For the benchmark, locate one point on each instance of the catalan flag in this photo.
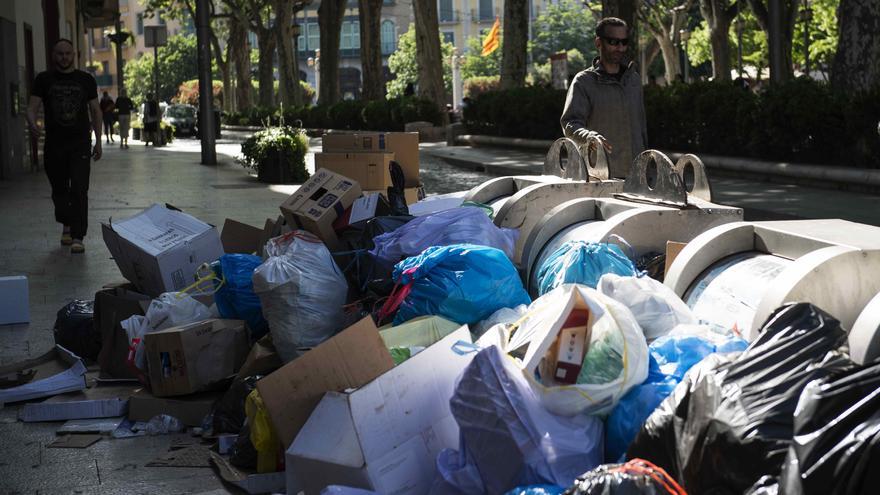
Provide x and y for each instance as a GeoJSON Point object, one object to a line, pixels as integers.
{"type": "Point", "coordinates": [493, 39]}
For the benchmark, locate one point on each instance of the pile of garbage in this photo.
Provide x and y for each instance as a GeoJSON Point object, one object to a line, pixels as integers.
{"type": "Point", "coordinates": [350, 347]}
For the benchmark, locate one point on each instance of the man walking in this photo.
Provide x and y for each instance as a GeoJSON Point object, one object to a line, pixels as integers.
{"type": "Point", "coordinates": [107, 107]}
{"type": "Point", "coordinates": [124, 106]}
{"type": "Point", "coordinates": [605, 101]}
{"type": "Point", "coordinates": [68, 97]}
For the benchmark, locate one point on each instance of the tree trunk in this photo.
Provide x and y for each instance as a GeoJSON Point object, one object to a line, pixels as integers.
{"type": "Point", "coordinates": [670, 58]}
{"type": "Point", "coordinates": [266, 46]}
{"type": "Point", "coordinates": [240, 58]}
{"type": "Point", "coordinates": [628, 11]}
{"type": "Point", "coordinates": [288, 81]}
{"type": "Point", "coordinates": [789, 16]}
{"type": "Point", "coordinates": [330, 15]}
{"type": "Point", "coordinates": [718, 15]}
{"type": "Point", "coordinates": [857, 62]}
{"type": "Point", "coordinates": [370, 16]}
{"type": "Point", "coordinates": [428, 54]}
{"type": "Point", "coordinates": [650, 52]}
{"type": "Point", "coordinates": [225, 72]}
{"type": "Point", "coordinates": [515, 45]}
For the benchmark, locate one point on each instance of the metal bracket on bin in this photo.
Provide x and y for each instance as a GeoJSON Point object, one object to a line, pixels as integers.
{"type": "Point", "coordinates": [570, 160]}
{"type": "Point", "coordinates": [694, 177]}
{"type": "Point", "coordinates": [654, 179]}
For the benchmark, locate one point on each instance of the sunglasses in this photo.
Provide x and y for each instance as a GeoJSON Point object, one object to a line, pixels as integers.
{"type": "Point", "coordinates": [616, 41]}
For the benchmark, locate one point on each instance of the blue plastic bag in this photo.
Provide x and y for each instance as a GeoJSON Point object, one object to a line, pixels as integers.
{"type": "Point", "coordinates": [463, 283]}
{"type": "Point", "coordinates": [537, 490]}
{"type": "Point", "coordinates": [671, 356]}
{"type": "Point", "coordinates": [582, 263]}
{"type": "Point", "coordinates": [236, 298]}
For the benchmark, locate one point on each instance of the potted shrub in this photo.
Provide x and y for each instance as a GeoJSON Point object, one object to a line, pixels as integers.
{"type": "Point", "coordinates": [278, 154]}
{"type": "Point", "coordinates": [137, 126]}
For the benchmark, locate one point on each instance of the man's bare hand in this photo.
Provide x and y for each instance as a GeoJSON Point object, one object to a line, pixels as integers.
{"type": "Point", "coordinates": [97, 151]}
{"type": "Point", "coordinates": [584, 135]}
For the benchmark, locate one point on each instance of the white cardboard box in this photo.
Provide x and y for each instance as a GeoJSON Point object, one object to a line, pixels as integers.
{"type": "Point", "coordinates": [386, 435]}
{"type": "Point", "coordinates": [14, 300]}
{"type": "Point", "coordinates": [160, 249]}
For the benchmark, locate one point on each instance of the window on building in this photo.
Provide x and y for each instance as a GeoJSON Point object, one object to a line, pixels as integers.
{"type": "Point", "coordinates": [105, 67]}
{"type": "Point", "coordinates": [314, 36]}
{"type": "Point", "coordinates": [301, 39]}
{"type": "Point", "coordinates": [351, 35]}
{"type": "Point", "coordinates": [140, 24]}
{"type": "Point", "coordinates": [449, 37]}
{"type": "Point", "coordinates": [447, 14]}
{"type": "Point", "coordinates": [388, 37]}
{"type": "Point", "coordinates": [486, 10]}
{"type": "Point", "coordinates": [159, 19]}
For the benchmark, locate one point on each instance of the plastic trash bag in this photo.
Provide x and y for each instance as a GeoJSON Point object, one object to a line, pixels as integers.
{"type": "Point", "coordinates": [235, 298]}
{"type": "Point", "coordinates": [671, 357]}
{"type": "Point", "coordinates": [620, 350]}
{"type": "Point", "coordinates": [636, 477]}
{"type": "Point", "coordinates": [262, 434]}
{"type": "Point", "coordinates": [656, 307]}
{"type": "Point", "coordinates": [507, 438]}
{"type": "Point", "coordinates": [537, 490]}
{"type": "Point", "coordinates": [345, 490]}
{"type": "Point", "coordinates": [580, 262]}
{"type": "Point", "coordinates": [836, 447]}
{"type": "Point", "coordinates": [463, 283]}
{"type": "Point", "coordinates": [170, 309]}
{"type": "Point", "coordinates": [501, 317]}
{"type": "Point", "coordinates": [302, 293]}
{"type": "Point", "coordinates": [730, 421]}
{"type": "Point", "coordinates": [75, 329]}
{"type": "Point", "coordinates": [164, 424]}
{"type": "Point", "coordinates": [414, 336]}
{"type": "Point", "coordinates": [455, 226]}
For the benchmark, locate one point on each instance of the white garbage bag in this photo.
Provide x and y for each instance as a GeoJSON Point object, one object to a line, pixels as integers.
{"type": "Point", "coordinates": [613, 332]}
{"type": "Point", "coordinates": [656, 307]}
{"type": "Point", "coordinates": [302, 293]}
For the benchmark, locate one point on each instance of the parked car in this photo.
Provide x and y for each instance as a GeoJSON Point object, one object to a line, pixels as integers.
{"type": "Point", "coordinates": [183, 118]}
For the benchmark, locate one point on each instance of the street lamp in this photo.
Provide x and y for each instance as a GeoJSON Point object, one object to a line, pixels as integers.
{"type": "Point", "coordinates": [118, 37]}
{"type": "Point", "coordinates": [806, 17]}
{"type": "Point", "coordinates": [685, 36]}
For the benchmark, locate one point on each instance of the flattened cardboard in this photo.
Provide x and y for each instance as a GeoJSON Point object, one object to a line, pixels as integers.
{"type": "Point", "coordinates": [14, 302]}
{"type": "Point", "coordinates": [96, 402]}
{"type": "Point", "coordinates": [56, 372]}
{"type": "Point", "coordinates": [370, 170]}
{"type": "Point", "coordinates": [191, 358]}
{"type": "Point", "coordinates": [317, 203]}
{"type": "Point", "coordinates": [672, 250]}
{"type": "Point", "coordinates": [160, 249]}
{"type": "Point", "coordinates": [190, 409]}
{"type": "Point", "coordinates": [250, 482]}
{"type": "Point", "coordinates": [241, 238]}
{"type": "Point", "coordinates": [74, 441]}
{"type": "Point", "coordinates": [113, 304]}
{"type": "Point", "coordinates": [351, 358]}
{"type": "Point", "coordinates": [412, 194]}
{"type": "Point", "coordinates": [404, 145]}
{"type": "Point", "coordinates": [385, 436]}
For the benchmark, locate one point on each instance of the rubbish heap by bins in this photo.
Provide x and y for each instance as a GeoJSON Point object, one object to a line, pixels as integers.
{"type": "Point", "coordinates": [352, 346]}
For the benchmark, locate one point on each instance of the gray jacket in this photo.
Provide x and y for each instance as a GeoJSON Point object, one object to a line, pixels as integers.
{"type": "Point", "coordinates": [600, 103]}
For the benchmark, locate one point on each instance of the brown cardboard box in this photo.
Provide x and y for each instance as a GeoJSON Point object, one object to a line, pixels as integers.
{"type": "Point", "coordinates": [351, 358]}
{"type": "Point", "coordinates": [672, 250]}
{"type": "Point", "coordinates": [113, 304]}
{"type": "Point", "coordinates": [404, 145]}
{"type": "Point", "coordinates": [370, 170]}
{"type": "Point", "coordinates": [413, 194]}
{"type": "Point", "coordinates": [240, 237]}
{"type": "Point", "coordinates": [190, 409]}
{"type": "Point", "coordinates": [190, 358]}
{"type": "Point", "coordinates": [317, 203]}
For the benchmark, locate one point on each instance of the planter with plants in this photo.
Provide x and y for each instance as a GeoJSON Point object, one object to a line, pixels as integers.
{"type": "Point", "coordinates": [277, 154]}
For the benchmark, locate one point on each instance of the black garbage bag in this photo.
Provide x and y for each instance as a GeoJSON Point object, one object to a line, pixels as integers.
{"type": "Point", "coordinates": [396, 195]}
{"type": "Point", "coordinates": [360, 269]}
{"type": "Point", "coordinates": [243, 454]}
{"type": "Point", "coordinates": [229, 412]}
{"type": "Point", "coordinates": [836, 447]}
{"type": "Point", "coordinates": [636, 477]}
{"type": "Point", "coordinates": [730, 421]}
{"type": "Point", "coordinates": [75, 329]}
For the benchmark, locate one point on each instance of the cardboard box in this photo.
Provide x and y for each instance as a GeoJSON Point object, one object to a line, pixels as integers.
{"type": "Point", "coordinates": [317, 203]}
{"type": "Point", "coordinates": [113, 304]}
{"type": "Point", "coordinates": [238, 237]}
{"type": "Point", "coordinates": [55, 372]}
{"type": "Point", "coordinates": [191, 358]}
{"type": "Point", "coordinates": [14, 302]}
{"type": "Point", "coordinates": [102, 401]}
{"type": "Point", "coordinates": [351, 358]}
{"type": "Point", "coordinates": [369, 206]}
{"type": "Point", "coordinates": [370, 170]}
{"type": "Point", "coordinates": [672, 251]}
{"type": "Point", "coordinates": [160, 249]}
{"type": "Point", "coordinates": [404, 145]}
{"type": "Point", "coordinates": [412, 194]}
{"type": "Point", "coordinates": [384, 436]}
{"type": "Point", "coordinates": [190, 409]}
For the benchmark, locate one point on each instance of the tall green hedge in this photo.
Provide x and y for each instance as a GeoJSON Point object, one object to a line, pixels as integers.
{"type": "Point", "coordinates": [384, 115]}
{"type": "Point", "coordinates": [802, 121]}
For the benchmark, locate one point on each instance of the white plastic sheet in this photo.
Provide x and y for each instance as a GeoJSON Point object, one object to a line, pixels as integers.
{"type": "Point", "coordinates": [656, 307]}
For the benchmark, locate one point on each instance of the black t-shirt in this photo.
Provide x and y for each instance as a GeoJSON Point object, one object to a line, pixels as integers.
{"type": "Point", "coordinates": [66, 99]}
{"type": "Point", "coordinates": [124, 105]}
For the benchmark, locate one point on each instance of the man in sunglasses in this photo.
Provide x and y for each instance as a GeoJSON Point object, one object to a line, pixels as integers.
{"type": "Point", "coordinates": [605, 101]}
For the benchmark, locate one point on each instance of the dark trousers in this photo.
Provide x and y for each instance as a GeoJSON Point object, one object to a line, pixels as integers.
{"type": "Point", "coordinates": [68, 164]}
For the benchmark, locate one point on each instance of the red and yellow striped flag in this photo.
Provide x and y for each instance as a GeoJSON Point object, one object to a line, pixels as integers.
{"type": "Point", "coordinates": [493, 39]}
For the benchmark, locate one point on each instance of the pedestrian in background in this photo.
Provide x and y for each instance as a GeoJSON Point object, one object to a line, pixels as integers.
{"type": "Point", "coordinates": [606, 102]}
{"type": "Point", "coordinates": [107, 107]}
{"type": "Point", "coordinates": [124, 106]}
{"type": "Point", "coordinates": [68, 97]}
{"type": "Point", "coordinates": [151, 120]}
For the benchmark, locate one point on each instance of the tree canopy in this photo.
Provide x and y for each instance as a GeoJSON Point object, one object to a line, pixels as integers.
{"type": "Point", "coordinates": [177, 63]}
{"type": "Point", "coordinates": [403, 64]}
{"type": "Point", "coordinates": [563, 26]}
{"type": "Point", "coordinates": [476, 65]}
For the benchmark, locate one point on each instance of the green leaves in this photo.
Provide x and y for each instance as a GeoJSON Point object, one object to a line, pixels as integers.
{"type": "Point", "coordinates": [404, 65]}
{"type": "Point", "coordinates": [563, 26]}
{"type": "Point", "coordinates": [284, 143]}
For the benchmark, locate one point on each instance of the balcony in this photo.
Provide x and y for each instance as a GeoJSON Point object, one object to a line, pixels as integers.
{"type": "Point", "coordinates": [449, 17]}
{"type": "Point", "coordinates": [104, 80]}
{"type": "Point", "coordinates": [484, 15]}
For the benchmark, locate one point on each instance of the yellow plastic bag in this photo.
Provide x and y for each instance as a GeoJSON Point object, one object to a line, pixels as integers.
{"type": "Point", "coordinates": [420, 332]}
{"type": "Point", "coordinates": [263, 436]}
